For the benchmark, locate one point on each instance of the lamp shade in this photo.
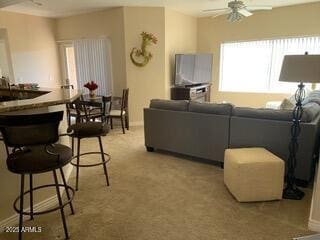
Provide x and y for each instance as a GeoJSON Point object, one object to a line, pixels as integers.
{"type": "Point", "coordinates": [300, 68]}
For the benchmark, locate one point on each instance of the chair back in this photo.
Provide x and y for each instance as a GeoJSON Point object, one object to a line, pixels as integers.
{"type": "Point", "coordinates": [28, 130]}
{"type": "Point", "coordinates": [80, 108]}
{"type": "Point", "coordinates": [124, 100]}
{"type": "Point", "coordinates": [106, 106]}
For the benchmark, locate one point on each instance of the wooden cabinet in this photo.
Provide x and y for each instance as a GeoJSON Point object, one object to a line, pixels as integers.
{"type": "Point", "coordinates": [197, 93]}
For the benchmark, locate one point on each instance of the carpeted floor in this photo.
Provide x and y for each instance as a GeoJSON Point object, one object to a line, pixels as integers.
{"type": "Point", "coordinates": [157, 196]}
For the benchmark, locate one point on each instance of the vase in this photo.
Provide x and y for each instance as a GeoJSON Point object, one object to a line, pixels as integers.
{"type": "Point", "coordinates": [92, 93]}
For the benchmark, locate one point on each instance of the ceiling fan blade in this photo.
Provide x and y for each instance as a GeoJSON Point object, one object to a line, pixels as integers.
{"type": "Point", "coordinates": [244, 12]}
{"type": "Point", "coordinates": [219, 14]}
{"type": "Point", "coordinates": [6, 3]}
{"type": "Point", "coordinates": [215, 10]}
{"type": "Point", "coordinates": [259, 8]}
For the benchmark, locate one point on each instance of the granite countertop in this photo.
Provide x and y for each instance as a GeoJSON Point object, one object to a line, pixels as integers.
{"type": "Point", "coordinates": [46, 97]}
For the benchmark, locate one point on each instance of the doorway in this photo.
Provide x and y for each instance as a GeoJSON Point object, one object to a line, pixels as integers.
{"type": "Point", "coordinates": [68, 64]}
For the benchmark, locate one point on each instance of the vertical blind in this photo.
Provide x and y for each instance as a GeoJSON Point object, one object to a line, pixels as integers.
{"type": "Point", "coordinates": [255, 66]}
{"type": "Point", "coordinates": [93, 63]}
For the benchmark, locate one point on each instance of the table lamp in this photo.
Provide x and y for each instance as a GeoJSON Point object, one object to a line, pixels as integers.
{"type": "Point", "coordinates": [301, 69]}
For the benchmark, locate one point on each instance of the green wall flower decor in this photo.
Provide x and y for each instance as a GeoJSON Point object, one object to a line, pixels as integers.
{"type": "Point", "coordinates": [140, 57]}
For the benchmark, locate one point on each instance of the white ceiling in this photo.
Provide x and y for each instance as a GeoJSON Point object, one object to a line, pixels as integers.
{"type": "Point", "coordinates": [63, 8]}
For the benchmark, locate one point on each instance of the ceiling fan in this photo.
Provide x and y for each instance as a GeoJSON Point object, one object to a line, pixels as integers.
{"type": "Point", "coordinates": [7, 3]}
{"type": "Point", "coordinates": [237, 10]}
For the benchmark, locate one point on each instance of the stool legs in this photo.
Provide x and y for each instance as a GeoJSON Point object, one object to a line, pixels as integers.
{"type": "Point", "coordinates": [21, 206]}
{"type": "Point", "coordinates": [72, 145]}
{"type": "Point", "coordinates": [66, 189]}
{"type": "Point", "coordinates": [31, 196]}
{"type": "Point", "coordinates": [78, 162]}
{"type": "Point", "coordinates": [60, 204]}
{"type": "Point", "coordinates": [103, 159]}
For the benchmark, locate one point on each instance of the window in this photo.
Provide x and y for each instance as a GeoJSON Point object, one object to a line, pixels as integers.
{"type": "Point", "coordinates": [88, 60]}
{"type": "Point", "coordinates": [93, 63]}
{"type": "Point", "coordinates": [255, 66]}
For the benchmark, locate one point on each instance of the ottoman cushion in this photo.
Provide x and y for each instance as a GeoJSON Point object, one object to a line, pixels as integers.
{"type": "Point", "coordinates": [253, 174]}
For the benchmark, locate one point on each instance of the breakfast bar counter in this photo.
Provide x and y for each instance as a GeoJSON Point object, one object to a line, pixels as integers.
{"type": "Point", "coordinates": [23, 99]}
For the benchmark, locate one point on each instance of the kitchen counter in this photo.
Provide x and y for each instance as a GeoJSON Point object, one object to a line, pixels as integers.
{"type": "Point", "coordinates": [35, 98]}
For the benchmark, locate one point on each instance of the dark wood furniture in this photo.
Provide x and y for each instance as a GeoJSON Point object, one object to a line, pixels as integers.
{"type": "Point", "coordinates": [78, 110]}
{"type": "Point", "coordinates": [122, 113]}
{"type": "Point", "coordinates": [197, 93]}
{"type": "Point", "coordinates": [35, 152]}
{"type": "Point", "coordinates": [97, 108]}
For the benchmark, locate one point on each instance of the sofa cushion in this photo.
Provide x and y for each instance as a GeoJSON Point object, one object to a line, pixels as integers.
{"type": "Point", "coordinates": [176, 105]}
{"type": "Point", "coordinates": [271, 114]}
{"type": "Point", "coordinates": [313, 97]}
{"type": "Point", "coordinates": [210, 108]}
{"type": "Point", "coordinates": [311, 111]}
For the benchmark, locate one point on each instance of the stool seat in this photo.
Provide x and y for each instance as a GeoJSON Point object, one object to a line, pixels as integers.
{"type": "Point", "coordinates": [33, 138]}
{"type": "Point", "coordinates": [88, 129]}
{"type": "Point", "coordinates": [35, 159]}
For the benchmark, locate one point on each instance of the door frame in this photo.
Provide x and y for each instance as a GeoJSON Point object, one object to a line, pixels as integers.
{"type": "Point", "coordinates": [63, 60]}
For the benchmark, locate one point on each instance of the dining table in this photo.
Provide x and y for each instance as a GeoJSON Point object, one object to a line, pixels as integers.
{"type": "Point", "coordinates": [98, 102]}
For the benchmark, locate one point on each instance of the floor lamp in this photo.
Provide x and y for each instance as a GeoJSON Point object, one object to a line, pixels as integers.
{"type": "Point", "coordinates": [301, 69]}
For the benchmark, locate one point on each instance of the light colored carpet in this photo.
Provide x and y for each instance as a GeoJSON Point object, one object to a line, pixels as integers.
{"type": "Point", "coordinates": [164, 196]}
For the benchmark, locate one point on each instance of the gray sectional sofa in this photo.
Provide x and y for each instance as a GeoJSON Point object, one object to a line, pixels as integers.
{"type": "Point", "coordinates": [205, 130]}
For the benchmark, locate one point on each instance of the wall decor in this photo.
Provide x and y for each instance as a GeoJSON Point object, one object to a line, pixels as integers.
{"type": "Point", "coordinates": [141, 57]}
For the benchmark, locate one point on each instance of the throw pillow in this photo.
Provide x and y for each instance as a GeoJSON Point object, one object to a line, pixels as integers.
{"type": "Point", "coordinates": [286, 104]}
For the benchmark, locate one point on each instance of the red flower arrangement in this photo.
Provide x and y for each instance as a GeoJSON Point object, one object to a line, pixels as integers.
{"type": "Point", "coordinates": [91, 86]}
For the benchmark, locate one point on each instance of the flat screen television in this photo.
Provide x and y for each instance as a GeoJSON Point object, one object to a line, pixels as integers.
{"type": "Point", "coordinates": [193, 69]}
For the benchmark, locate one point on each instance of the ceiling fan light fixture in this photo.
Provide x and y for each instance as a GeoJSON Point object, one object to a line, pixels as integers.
{"type": "Point", "coordinates": [234, 16]}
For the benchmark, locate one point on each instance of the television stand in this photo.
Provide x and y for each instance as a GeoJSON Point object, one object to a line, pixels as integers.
{"type": "Point", "coordinates": [200, 93]}
{"type": "Point", "coordinates": [193, 85]}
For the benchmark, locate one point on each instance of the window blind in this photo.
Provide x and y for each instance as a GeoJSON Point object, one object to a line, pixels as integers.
{"type": "Point", "coordinates": [255, 66]}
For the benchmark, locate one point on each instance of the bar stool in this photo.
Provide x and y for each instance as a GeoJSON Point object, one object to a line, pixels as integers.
{"type": "Point", "coordinates": [89, 130]}
{"type": "Point", "coordinates": [33, 140]}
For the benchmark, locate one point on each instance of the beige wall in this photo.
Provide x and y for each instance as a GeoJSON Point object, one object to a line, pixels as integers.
{"type": "Point", "coordinates": [33, 48]}
{"type": "Point", "coordinates": [145, 82]}
{"type": "Point", "coordinates": [108, 23]}
{"type": "Point", "coordinates": [181, 37]}
{"type": "Point", "coordinates": [300, 20]}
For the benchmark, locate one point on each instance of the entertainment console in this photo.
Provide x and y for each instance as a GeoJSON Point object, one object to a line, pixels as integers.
{"type": "Point", "coordinates": [200, 93]}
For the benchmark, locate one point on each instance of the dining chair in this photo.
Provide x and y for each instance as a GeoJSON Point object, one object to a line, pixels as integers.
{"type": "Point", "coordinates": [123, 113]}
{"type": "Point", "coordinates": [102, 111]}
{"type": "Point", "coordinates": [80, 111]}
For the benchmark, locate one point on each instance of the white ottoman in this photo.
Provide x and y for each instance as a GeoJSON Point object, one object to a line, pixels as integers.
{"type": "Point", "coordinates": [253, 174]}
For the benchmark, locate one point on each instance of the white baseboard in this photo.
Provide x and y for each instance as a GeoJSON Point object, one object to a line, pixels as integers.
{"type": "Point", "coordinates": [314, 225]}
{"type": "Point", "coordinates": [134, 124]}
{"type": "Point", "coordinates": [67, 171]}
{"type": "Point", "coordinates": [41, 206]}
